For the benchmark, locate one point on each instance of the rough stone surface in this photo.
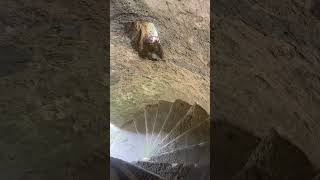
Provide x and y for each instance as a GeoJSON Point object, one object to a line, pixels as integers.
{"type": "Point", "coordinates": [266, 68]}
{"type": "Point", "coordinates": [276, 159]}
{"type": "Point", "coordinates": [183, 27]}
{"type": "Point", "coordinates": [165, 170]}
{"type": "Point", "coordinates": [196, 154]}
{"type": "Point", "coordinates": [231, 149]}
{"type": "Point", "coordinates": [53, 89]}
{"type": "Point", "coordinates": [11, 57]}
{"type": "Point", "coordinates": [122, 170]}
{"type": "Point", "coordinates": [177, 171]}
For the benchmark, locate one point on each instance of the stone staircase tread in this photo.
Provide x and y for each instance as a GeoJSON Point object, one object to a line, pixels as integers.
{"type": "Point", "coordinates": [162, 113]}
{"type": "Point", "coordinates": [179, 109]}
{"type": "Point", "coordinates": [195, 154]}
{"type": "Point", "coordinates": [197, 134]}
{"type": "Point", "coordinates": [193, 118]}
{"type": "Point", "coordinates": [151, 115]}
{"type": "Point", "coordinates": [131, 171]}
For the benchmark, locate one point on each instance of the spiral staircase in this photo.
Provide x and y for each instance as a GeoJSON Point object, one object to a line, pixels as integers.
{"type": "Point", "coordinates": [166, 140]}
{"type": "Point", "coordinates": [170, 140]}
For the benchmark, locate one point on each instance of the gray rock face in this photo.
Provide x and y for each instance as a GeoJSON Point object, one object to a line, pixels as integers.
{"type": "Point", "coordinates": [266, 69]}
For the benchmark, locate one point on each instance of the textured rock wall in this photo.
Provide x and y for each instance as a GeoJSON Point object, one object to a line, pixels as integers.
{"type": "Point", "coordinates": [53, 95]}
{"type": "Point", "coordinates": [275, 158]}
{"type": "Point", "coordinates": [184, 74]}
{"type": "Point", "coordinates": [266, 68]}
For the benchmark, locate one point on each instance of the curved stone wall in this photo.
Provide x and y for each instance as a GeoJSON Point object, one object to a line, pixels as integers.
{"type": "Point", "coordinates": [266, 69]}
{"type": "Point", "coordinates": [184, 73]}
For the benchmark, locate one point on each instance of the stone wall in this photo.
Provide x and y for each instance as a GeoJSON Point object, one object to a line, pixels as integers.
{"type": "Point", "coordinates": [266, 69]}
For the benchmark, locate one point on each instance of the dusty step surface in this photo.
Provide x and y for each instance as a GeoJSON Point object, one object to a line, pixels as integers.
{"type": "Point", "coordinates": [151, 117]}
{"type": "Point", "coordinates": [144, 118]}
{"type": "Point", "coordinates": [174, 171]}
{"type": "Point", "coordinates": [275, 158]}
{"type": "Point", "coordinates": [187, 129]}
{"type": "Point", "coordinates": [162, 113]}
{"type": "Point", "coordinates": [196, 154]}
{"type": "Point", "coordinates": [121, 170]}
{"type": "Point", "coordinates": [164, 109]}
{"type": "Point", "coordinates": [181, 122]}
{"type": "Point", "coordinates": [185, 124]}
{"type": "Point", "coordinates": [141, 122]}
{"type": "Point", "coordinates": [177, 111]}
{"type": "Point", "coordinates": [165, 170]}
{"type": "Point", "coordinates": [192, 136]}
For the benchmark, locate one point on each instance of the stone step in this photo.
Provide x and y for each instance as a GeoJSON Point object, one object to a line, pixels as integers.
{"type": "Point", "coordinates": [178, 110]}
{"type": "Point", "coordinates": [195, 154]}
{"type": "Point", "coordinates": [177, 171]}
{"type": "Point", "coordinates": [140, 122]}
{"type": "Point", "coordinates": [193, 118]}
{"type": "Point", "coordinates": [151, 116]}
{"type": "Point", "coordinates": [162, 114]}
{"type": "Point", "coordinates": [121, 170]}
{"type": "Point", "coordinates": [199, 133]}
{"type": "Point", "coordinates": [164, 109]}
